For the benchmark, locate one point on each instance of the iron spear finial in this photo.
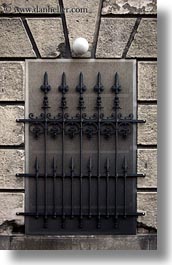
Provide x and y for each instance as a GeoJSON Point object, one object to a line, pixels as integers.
{"type": "Point", "coordinates": [45, 87]}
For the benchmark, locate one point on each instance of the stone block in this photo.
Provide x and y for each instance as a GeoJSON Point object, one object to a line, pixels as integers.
{"type": "Point", "coordinates": [11, 162]}
{"type": "Point", "coordinates": [153, 242]}
{"type": "Point", "coordinates": [147, 164]}
{"type": "Point", "coordinates": [12, 133]}
{"type": "Point", "coordinates": [41, 243]}
{"type": "Point", "coordinates": [129, 7]}
{"type": "Point", "coordinates": [12, 79]}
{"type": "Point", "coordinates": [14, 41]}
{"type": "Point", "coordinates": [122, 243]}
{"type": "Point", "coordinates": [48, 35]}
{"type": "Point", "coordinates": [80, 242]}
{"type": "Point", "coordinates": [147, 132]}
{"type": "Point", "coordinates": [147, 81]}
{"type": "Point", "coordinates": [145, 40]}
{"type": "Point", "coordinates": [84, 22]}
{"type": "Point", "coordinates": [10, 204]}
{"type": "Point", "coordinates": [29, 6]}
{"type": "Point", "coordinates": [113, 36]}
{"type": "Point", "coordinates": [147, 202]}
{"type": "Point", "coordinates": [4, 242]}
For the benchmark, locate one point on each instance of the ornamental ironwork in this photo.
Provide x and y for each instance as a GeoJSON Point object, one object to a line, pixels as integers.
{"type": "Point", "coordinates": [80, 126]}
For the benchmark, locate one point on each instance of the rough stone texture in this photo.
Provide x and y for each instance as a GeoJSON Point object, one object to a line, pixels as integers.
{"type": "Point", "coordinates": [129, 7]}
{"type": "Point", "coordinates": [82, 24]}
{"type": "Point", "coordinates": [147, 164]}
{"type": "Point", "coordinates": [153, 243]}
{"type": "Point", "coordinates": [14, 41]}
{"type": "Point", "coordinates": [4, 242]}
{"type": "Point", "coordinates": [147, 202]}
{"type": "Point", "coordinates": [147, 132]}
{"type": "Point", "coordinates": [11, 162]}
{"type": "Point", "coordinates": [147, 81]}
{"type": "Point", "coordinates": [29, 6]}
{"type": "Point", "coordinates": [12, 133]}
{"type": "Point", "coordinates": [48, 35]}
{"type": "Point", "coordinates": [139, 242]}
{"type": "Point", "coordinates": [145, 39]}
{"type": "Point", "coordinates": [41, 243]}
{"type": "Point", "coordinates": [11, 81]}
{"type": "Point", "coordinates": [113, 36]}
{"type": "Point", "coordinates": [10, 204]}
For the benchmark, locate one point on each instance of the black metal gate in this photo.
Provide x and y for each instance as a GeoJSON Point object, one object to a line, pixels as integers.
{"type": "Point", "coordinates": [82, 176]}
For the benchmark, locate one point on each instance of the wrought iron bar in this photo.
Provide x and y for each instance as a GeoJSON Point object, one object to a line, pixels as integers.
{"type": "Point", "coordinates": [128, 214]}
{"type": "Point", "coordinates": [81, 88]}
{"type": "Point", "coordinates": [107, 167]}
{"type": "Point", "coordinates": [63, 88]}
{"type": "Point", "coordinates": [116, 88]}
{"type": "Point", "coordinates": [90, 174]}
{"type": "Point", "coordinates": [98, 88]}
{"type": "Point", "coordinates": [54, 188]}
{"type": "Point", "coordinates": [125, 168]}
{"type": "Point", "coordinates": [45, 89]}
{"type": "Point", "coordinates": [72, 175]}
{"type": "Point", "coordinates": [36, 186]}
{"type": "Point", "coordinates": [78, 176]}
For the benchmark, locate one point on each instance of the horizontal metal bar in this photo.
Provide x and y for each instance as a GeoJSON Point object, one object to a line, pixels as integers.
{"type": "Point", "coordinates": [75, 120]}
{"type": "Point", "coordinates": [33, 214]}
{"type": "Point", "coordinates": [29, 120]}
{"type": "Point", "coordinates": [132, 121]}
{"type": "Point", "coordinates": [78, 176]}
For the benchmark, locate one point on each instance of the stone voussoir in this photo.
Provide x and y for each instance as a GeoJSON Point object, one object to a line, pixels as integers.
{"type": "Point", "coordinates": [147, 132]}
{"type": "Point", "coordinates": [147, 203]}
{"type": "Point", "coordinates": [144, 43]}
{"type": "Point", "coordinates": [113, 36]}
{"type": "Point", "coordinates": [11, 162]}
{"type": "Point", "coordinates": [29, 6]}
{"type": "Point", "coordinates": [12, 78]}
{"type": "Point", "coordinates": [12, 133]}
{"type": "Point", "coordinates": [14, 41]}
{"type": "Point", "coordinates": [147, 81]}
{"type": "Point", "coordinates": [82, 23]}
{"type": "Point", "coordinates": [147, 164]}
{"type": "Point", "coordinates": [129, 7]}
{"type": "Point", "coordinates": [48, 35]}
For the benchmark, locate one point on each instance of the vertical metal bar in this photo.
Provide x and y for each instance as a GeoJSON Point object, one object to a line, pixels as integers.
{"type": "Point", "coordinates": [116, 88]}
{"type": "Point", "coordinates": [63, 174]}
{"type": "Point", "coordinates": [45, 88]}
{"type": "Point", "coordinates": [116, 172]}
{"type": "Point", "coordinates": [63, 88]}
{"type": "Point", "coordinates": [81, 88]}
{"type": "Point", "coordinates": [45, 165]}
{"type": "Point", "coordinates": [72, 174]}
{"type": "Point", "coordinates": [125, 168]}
{"type": "Point", "coordinates": [98, 88]}
{"type": "Point", "coordinates": [36, 179]}
{"type": "Point", "coordinates": [98, 173]}
{"type": "Point", "coordinates": [107, 167]}
{"type": "Point", "coordinates": [89, 175]}
{"type": "Point", "coordinates": [54, 188]}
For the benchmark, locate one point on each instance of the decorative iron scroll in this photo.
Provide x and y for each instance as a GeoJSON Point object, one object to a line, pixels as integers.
{"type": "Point", "coordinates": [45, 125]}
{"type": "Point", "coordinates": [90, 124]}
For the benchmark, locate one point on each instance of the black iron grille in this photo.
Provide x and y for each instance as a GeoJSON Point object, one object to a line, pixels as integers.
{"type": "Point", "coordinates": [83, 190]}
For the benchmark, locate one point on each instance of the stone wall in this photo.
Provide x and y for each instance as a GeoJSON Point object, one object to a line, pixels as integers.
{"type": "Point", "coordinates": [115, 29]}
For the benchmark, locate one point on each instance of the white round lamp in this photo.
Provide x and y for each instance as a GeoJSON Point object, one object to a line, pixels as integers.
{"type": "Point", "coordinates": [80, 46]}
